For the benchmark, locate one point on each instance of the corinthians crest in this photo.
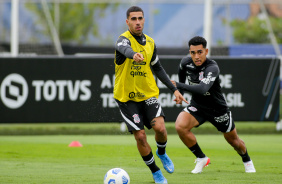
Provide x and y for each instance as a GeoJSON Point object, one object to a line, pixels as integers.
{"type": "Point", "coordinates": [136, 118]}
{"type": "Point", "coordinates": [201, 75]}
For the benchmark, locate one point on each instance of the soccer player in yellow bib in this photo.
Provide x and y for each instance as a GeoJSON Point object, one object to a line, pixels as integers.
{"type": "Point", "coordinates": [136, 91]}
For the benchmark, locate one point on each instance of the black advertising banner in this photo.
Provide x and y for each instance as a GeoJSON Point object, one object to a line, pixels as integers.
{"type": "Point", "coordinates": [80, 89]}
{"type": "Point", "coordinates": [251, 88]}
{"type": "Point", "coordinates": [56, 90]}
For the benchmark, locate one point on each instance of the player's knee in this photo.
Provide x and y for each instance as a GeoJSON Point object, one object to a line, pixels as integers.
{"type": "Point", "coordinates": [180, 127]}
{"type": "Point", "coordinates": [140, 137]}
{"type": "Point", "coordinates": [161, 130]}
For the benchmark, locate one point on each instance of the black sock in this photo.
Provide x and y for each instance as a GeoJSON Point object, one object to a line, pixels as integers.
{"type": "Point", "coordinates": [196, 150]}
{"type": "Point", "coordinates": [161, 147]}
{"type": "Point", "coordinates": [245, 157]}
{"type": "Point", "coordinates": [150, 162]}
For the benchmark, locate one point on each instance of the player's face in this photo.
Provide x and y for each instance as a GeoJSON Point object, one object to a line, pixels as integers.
{"type": "Point", "coordinates": [135, 23]}
{"type": "Point", "coordinates": [198, 54]}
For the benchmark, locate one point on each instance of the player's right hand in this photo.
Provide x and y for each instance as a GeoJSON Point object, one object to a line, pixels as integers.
{"type": "Point", "coordinates": [179, 98]}
{"type": "Point", "coordinates": [138, 57]}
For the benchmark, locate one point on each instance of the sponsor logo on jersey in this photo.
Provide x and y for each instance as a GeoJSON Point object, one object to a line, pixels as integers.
{"type": "Point", "coordinates": [142, 63]}
{"type": "Point", "coordinates": [151, 101]}
{"type": "Point", "coordinates": [138, 94]}
{"type": "Point", "coordinates": [222, 118]}
{"type": "Point", "coordinates": [190, 66]}
{"type": "Point", "coordinates": [138, 73]}
{"type": "Point", "coordinates": [208, 79]}
{"type": "Point", "coordinates": [134, 67]}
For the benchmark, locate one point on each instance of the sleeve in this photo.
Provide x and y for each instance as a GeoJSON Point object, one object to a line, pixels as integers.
{"type": "Point", "coordinates": [160, 72]}
{"type": "Point", "coordinates": [123, 46]}
{"type": "Point", "coordinates": [181, 75]}
{"type": "Point", "coordinates": [206, 83]}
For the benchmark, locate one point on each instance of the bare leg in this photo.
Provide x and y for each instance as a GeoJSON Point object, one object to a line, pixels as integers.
{"type": "Point", "coordinates": [184, 123]}
{"type": "Point", "coordinates": [238, 144]}
{"type": "Point", "coordinates": [158, 125]}
{"type": "Point", "coordinates": [142, 144]}
{"type": "Point", "coordinates": [233, 139]}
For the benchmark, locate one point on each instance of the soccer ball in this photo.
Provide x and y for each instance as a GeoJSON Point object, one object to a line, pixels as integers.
{"type": "Point", "coordinates": [116, 176]}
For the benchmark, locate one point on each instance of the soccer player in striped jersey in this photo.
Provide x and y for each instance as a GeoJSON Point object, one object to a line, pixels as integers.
{"type": "Point", "coordinates": [207, 104]}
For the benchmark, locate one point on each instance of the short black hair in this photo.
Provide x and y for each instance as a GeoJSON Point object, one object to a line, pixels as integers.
{"type": "Point", "coordinates": [133, 9]}
{"type": "Point", "coordinates": [198, 40]}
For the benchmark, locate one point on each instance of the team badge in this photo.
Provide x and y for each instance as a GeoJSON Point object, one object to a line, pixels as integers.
{"type": "Point", "coordinates": [124, 42]}
{"type": "Point", "coordinates": [201, 75]}
{"type": "Point", "coordinates": [193, 109]}
{"type": "Point", "coordinates": [136, 118]}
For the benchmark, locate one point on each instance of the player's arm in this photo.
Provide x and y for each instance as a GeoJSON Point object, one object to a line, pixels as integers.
{"type": "Point", "coordinates": [163, 77]}
{"type": "Point", "coordinates": [160, 72]}
{"type": "Point", "coordinates": [206, 83]}
{"type": "Point", "coordinates": [181, 74]}
{"type": "Point", "coordinates": [124, 50]}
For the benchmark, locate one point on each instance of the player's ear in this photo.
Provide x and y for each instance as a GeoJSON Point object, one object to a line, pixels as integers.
{"type": "Point", "coordinates": [207, 51]}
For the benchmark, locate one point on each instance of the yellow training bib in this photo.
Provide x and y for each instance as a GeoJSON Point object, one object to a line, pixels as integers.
{"type": "Point", "coordinates": [135, 81]}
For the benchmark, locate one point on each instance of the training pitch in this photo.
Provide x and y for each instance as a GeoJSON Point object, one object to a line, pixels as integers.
{"type": "Point", "coordinates": [49, 159]}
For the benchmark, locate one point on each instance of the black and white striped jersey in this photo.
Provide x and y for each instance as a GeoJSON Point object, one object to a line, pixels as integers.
{"type": "Point", "coordinates": [202, 82]}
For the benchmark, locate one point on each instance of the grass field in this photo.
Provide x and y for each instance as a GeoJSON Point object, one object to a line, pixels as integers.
{"type": "Point", "coordinates": [48, 159]}
{"type": "Point", "coordinates": [114, 128]}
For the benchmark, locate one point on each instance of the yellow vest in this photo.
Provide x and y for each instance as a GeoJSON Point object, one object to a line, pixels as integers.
{"type": "Point", "coordinates": [135, 81]}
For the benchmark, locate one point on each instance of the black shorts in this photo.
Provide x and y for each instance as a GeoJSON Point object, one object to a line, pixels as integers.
{"type": "Point", "coordinates": [222, 119]}
{"type": "Point", "coordinates": [139, 114]}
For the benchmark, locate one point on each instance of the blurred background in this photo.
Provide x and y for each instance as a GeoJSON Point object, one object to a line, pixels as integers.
{"type": "Point", "coordinates": [236, 27]}
{"type": "Point", "coordinates": [36, 29]}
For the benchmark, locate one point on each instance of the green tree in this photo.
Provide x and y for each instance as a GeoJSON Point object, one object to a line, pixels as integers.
{"type": "Point", "coordinates": [76, 20]}
{"type": "Point", "coordinates": [254, 30]}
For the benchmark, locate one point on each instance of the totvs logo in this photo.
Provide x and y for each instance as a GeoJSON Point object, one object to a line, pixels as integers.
{"type": "Point", "coordinates": [15, 89]}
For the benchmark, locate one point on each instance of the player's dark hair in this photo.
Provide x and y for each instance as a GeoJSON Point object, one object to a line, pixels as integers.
{"type": "Point", "coordinates": [133, 9]}
{"type": "Point", "coordinates": [198, 40]}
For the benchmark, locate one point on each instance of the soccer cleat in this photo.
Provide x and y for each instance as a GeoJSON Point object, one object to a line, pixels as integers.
{"type": "Point", "coordinates": [167, 163]}
{"type": "Point", "coordinates": [158, 177]}
{"type": "Point", "coordinates": [200, 164]}
{"type": "Point", "coordinates": [249, 167]}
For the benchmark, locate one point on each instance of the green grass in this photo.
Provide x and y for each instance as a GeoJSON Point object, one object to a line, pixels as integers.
{"type": "Point", "coordinates": [114, 128]}
{"type": "Point", "coordinates": [48, 159]}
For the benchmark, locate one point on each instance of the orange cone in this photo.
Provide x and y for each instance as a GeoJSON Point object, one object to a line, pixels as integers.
{"type": "Point", "coordinates": [75, 144]}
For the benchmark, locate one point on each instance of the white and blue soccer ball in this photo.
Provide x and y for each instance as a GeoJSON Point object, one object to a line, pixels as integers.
{"type": "Point", "coordinates": [116, 176]}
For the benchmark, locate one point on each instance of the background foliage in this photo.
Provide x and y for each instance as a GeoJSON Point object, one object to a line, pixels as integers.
{"type": "Point", "coordinates": [255, 30]}
{"type": "Point", "coordinates": [76, 20]}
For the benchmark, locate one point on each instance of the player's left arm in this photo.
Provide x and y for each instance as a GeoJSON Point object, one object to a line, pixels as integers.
{"type": "Point", "coordinates": [211, 73]}
{"type": "Point", "coordinates": [162, 75]}
{"type": "Point", "coordinates": [160, 72]}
